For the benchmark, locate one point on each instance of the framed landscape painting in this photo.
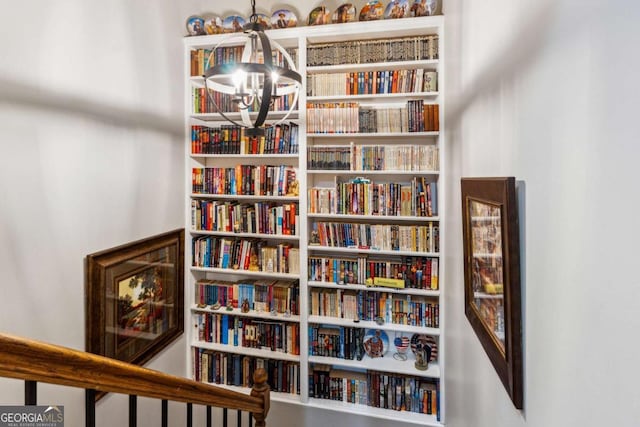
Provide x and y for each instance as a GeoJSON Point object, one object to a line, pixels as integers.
{"type": "Point", "coordinates": [134, 298]}
{"type": "Point", "coordinates": [492, 275]}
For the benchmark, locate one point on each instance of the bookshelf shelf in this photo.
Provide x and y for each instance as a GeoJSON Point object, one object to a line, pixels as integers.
{"type": "Point", "coordinates": [409, 101]}
{"type": "Point", "coordinates": [369, 251]}
{"type": "Point", "coordinates": [252, 314]}
{"type": "Point", "coordinates": [325, 320]}
{"type": "Point", "coordinates": [375, 217]}
{"type": "Point", "coordinates": [247, 351]}
{"type": "Point", "coordinates": [374, 66]}
{"type": "Point", "coordinates": [243, 197]}
{"type": "Point", "coordinates": [357, 287]}
{"type": "Point", "coordinates": [377, 97]}
{"type": "Point", "coordinates": [392, 416]}
{"type": "Point", "coordinates": [366, 173]}
{"type": "Point", "coordinates": [385, 364]}
{"type": "Point", "coordinates": [245, 273]}
{"type": "Point", "coordinates": [246, 235]}
{"type": "Point", "coordinates": [360, 135]}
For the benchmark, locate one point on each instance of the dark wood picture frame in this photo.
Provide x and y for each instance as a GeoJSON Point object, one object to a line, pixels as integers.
{"type": "Point", "coordinates": [492, 275]}
{"type": "Point", "coordinates": [134, 298]}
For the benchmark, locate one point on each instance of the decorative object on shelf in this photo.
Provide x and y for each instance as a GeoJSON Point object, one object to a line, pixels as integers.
{"type": "Point", "coordinates": [233, 24]}
{"type": "Point", "coordinates": [293, 190]}
{"type": "Point", "coordinates": [491, 262]}
{"type": "Point", "coordinates": [283, 18]}
{"type": "Point", "coordinates": [430, 81]}
{"type": "Point", "coordinates": [287, 313]}
{"type": "Point", "coordinates": [344, 13]}
{"type": "Point", "coordinates": [375, 343]}
{"type": "Point", "coordinates": [253, 261]}
{"type": "Point", "coordinates": [195, 26]}
{"type": "Point", "coordinates": [229, 306]}
{"type": "Point", "coordinates": [264, 20]}
{"type": "Point", "coordinates": [422, 348]}
{"type": "Point", "coordinates": [273, 312]}
{"type": "Point", "coordinates": [379, 320]}
{"type": "Point", "coordinates": [216, 306]}
{"type": "Point", "coordinates": [245, 306]}
{"type": "Point", "coordinates": [319, 16]}
{"type": "Point", "coordinates": [397, 9]}
{"type": "Point", "coordinates": [423, 8]}
{"type": "Point", "coordinates": [402, 346]}
{"type": "Point", "coordinates": [134, 298]}
{"type": "Point", "coordinates": [253, 79]}
{"type": "Point", "coordinates": [371, 11]}
{"type": "Point", "coordinates": [212, 24]}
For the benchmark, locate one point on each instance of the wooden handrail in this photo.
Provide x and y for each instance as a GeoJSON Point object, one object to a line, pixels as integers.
{"type": "Point", "coordinates": [37, 361]}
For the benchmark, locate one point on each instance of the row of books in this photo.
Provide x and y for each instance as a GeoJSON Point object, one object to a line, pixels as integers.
{"type": "Point", "coordinates": [361, 157]}
{"type": "Point", "coordinates": [415, 272]}
{"type": "Point", "coordinates": [231, 139]}
{"type": "Point", "coordinates": [214, 102]}
{"type": "Point", "coordinates": [386, 237]}
{"type": "Point", "coordinates": [372, 51]}
{"type": "Point", "coordinates": [371, 82]}
{"type": "Point", "coordinates": [397, 309]}
{"type": "Point", "coordinates": [281, 296]}
{"type": "Point", "coordinates": [234, 369]}
{"type": "Point", "coordinates": [351, 117]}
{"type": "Point", "coordinates": [259, 217]}
{"type": "Point", "coordinates": [245, 254]}
{"type": "Point", "coordinates": [258, 180]}
{"type": "Point", "coordinates": [202, 59]}
{"type": "Point", "coordinates": [377, 389]}
{"type": "Point", "coordinates": [362, 197]}
{"type": "Point", "coordinates": [341, 342]}
{"type": "Point", "coordinates": [245, 332]}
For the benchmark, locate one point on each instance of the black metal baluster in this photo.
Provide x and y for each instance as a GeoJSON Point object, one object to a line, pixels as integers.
{"type": "Point", "coordinates": [225, 418]}
{"type": "Point", "coordinates": [133, 410]}
{"type": "Point", "coordinates": [239, 418]}
{"type": "Point", "coordinates": [209, 416]}
{"type": "Point", "coordinates": [250, 419]}
{"type": "Point", "coordinates": [90, 407]}
{"type": "Point", "coordinates": [165, 413]}
{"type": "Point", "coordinates": [189, 414]}
{"type": "Point", "coordinates": [30, 393]}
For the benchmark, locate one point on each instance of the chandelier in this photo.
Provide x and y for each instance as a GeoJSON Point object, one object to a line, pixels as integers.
{"type": "Point", "coordinates": [255, 82]}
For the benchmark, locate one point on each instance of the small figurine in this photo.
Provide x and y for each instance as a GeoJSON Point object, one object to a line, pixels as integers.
{"type": "Point", "coordinates": [253, 262]}
{"type": "Point", "coordinates": [215, 306]}
{"type": "Point", "coordinates": [379, 320]}
{"type": "Point", "coordinates": [202, 305]}
{"type": "Point", "coordinates": [229, 306]}
{"type": "Point", "coordinates": [274, 312]}
{"type": "Point", "coordinates": [287, 313]}
{"type": "Point", "coordinates": [245, 306]}
{"type": "Point", "coordinates": [315, 238]}
{"type": "Point", "coordinates": [293, 188]}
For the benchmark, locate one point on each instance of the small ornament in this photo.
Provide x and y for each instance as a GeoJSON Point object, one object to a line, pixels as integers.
{"type": "Point", "coordinates": [229, 306]}
{"type": "Point", "coordinates": [379, 321]}
{"type": "Point", "coordinates": [274, 312]}
{"type": "Point", "coordinates": [402, 346]}
{"type": "Point", "coordinates": [293, 189]}
{"type": "Point", "coordinates": [253, 262]}
{"type": "Point", "coordinates": [287, 313]}
{"type": "Point", "coordinates": [245, 306]}
{"type": "Point", "coordinates": [215, 306]}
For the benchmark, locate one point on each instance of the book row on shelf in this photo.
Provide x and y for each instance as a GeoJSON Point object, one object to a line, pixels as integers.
{"type": "Point", "coordinates": [259, 217]}
{"type": "Point", "coordinates": [372, 82]}
{"type": "Point", "coordinates": [361, 197]}
{"type": "Point", "coordinates": [245, 332]}
{"type": "Point", "coordinates": [237, 370]}
{"type": "Point", "coordinates": [377, 389]}
{"type": "Point", "coordinates": [201, 103]}
{"type": "Point", "coordinates": [413, 272]}
{"type": "Point", "coordinates": [385, 237]}
{"type": "Point", "coordinates": [255, 180]}
{"type": "Point", "coordinates": [364, 157]}
{"type": "Point", "coordinates": [254, 296]}
{"type": "Point", "coordinates": [354, 117]}
{"type": "Point", "coordinates": [245, 254]}
{"type": "Point", "coordinates": [202, 59]}
{"type": "Point", "coordinates": [374, 51]}
{"type": "Point", "coordinates": [231, 139]}
{"type": "Point", "coordinates": [395, 309]}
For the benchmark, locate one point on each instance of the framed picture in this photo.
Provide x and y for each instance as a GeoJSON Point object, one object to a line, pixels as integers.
{"type": "Point", "coordinates": [134, 298]}
{"type": "Point", "coordinates": [492, 275]}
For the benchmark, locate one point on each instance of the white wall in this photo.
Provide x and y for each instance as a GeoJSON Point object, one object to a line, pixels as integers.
{"type": "Point", "coordinates": [91, 156]}
{"type": "Point", "coordinates": [547, 91]}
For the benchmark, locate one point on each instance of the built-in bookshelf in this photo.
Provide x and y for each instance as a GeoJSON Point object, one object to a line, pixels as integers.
{"type": "Point", "coordinates": [301, 283]}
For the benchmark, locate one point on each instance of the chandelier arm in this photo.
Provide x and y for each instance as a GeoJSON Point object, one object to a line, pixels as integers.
{"type": "Point", "coordinates": [218, 109]}
{"type": "Point", "coordinates": [265, 102]}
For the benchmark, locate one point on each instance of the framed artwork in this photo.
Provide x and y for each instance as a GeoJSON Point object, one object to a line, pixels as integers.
{"type": "Point", "coordinates": [492, 274]}
{"type": "Point", "coordinates": [134, 298]}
